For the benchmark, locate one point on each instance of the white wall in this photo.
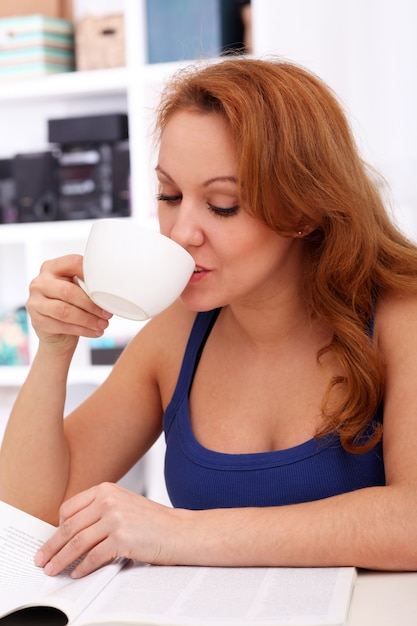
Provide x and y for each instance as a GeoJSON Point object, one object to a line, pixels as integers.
{"type": "Point", "coordinates": [366, 50]}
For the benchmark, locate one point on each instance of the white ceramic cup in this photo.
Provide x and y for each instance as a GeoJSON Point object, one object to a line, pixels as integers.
{"type": "Point", "coordinates": [132, 271]}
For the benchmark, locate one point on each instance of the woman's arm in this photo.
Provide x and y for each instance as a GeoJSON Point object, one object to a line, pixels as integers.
{"type": "Point", "coordinates": [372, 528]}
{"type": "Point", "coordinates": [34, 461]}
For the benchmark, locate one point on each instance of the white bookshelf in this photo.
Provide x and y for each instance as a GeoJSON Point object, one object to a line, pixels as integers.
{"type": "Point", "coordinates": [25, 107]}
{"type": "Point", "coordinates": [66, 85]}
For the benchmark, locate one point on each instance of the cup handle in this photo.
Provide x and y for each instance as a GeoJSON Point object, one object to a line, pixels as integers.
{"type": "Point", "coordinates": [81, 284]}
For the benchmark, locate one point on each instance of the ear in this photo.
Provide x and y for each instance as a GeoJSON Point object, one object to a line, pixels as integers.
{"type": "Point", "coordinates": [304, 231]}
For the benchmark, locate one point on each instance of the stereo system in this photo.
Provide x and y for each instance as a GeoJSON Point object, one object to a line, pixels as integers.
{"type": "Point", "coordinates": [35, 177]}
{"type": "Point", "coordinates": [8, 209]}
{"type": "Point", "coordinates": [85, 174]}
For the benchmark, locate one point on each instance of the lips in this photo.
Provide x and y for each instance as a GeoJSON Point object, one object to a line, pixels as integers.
{"type": "Point", "coordinates": [198, 274]}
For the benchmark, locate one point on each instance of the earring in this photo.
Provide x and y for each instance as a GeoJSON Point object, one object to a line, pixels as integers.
{"type": "Point", "coordinates": [304, 231]}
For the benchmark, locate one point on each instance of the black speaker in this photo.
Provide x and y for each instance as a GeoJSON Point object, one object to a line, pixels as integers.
{"type": "Point", "coordinates": [121, 179]}
{"type": "Point", "coordinates": [35, 177]}
{"type": "Point", "coordinates": [6, 169]}
{"type": "Point", "coordinates": [8, 209]}
{"type": "Point", "coordinates": [85, 184]}
{"type": "Point", "coordinates": [105, 128]}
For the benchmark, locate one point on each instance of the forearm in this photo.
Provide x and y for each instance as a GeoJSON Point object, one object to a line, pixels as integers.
{"type": "Point", "coordinates": [34, 458]}
{"type": "Point", "coordinates": [371, 528]}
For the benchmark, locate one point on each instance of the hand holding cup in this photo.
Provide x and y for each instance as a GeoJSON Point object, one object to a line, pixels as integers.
{"type": "Point", "coordinates": [132, 271]}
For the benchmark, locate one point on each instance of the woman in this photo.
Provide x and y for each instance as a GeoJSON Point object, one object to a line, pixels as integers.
{"type": "Point", "coordinates": [299, 330]}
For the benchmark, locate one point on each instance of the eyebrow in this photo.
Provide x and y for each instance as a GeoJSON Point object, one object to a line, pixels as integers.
{"type": "Point", "coordinates": [206, 183]}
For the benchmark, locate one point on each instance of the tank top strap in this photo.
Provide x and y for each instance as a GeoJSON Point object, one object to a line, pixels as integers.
{"type": "Point", "coordinates": [200, 331]}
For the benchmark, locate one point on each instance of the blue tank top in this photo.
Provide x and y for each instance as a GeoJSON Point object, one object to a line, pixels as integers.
{"type": "Point", "coordinates": [199, 478]}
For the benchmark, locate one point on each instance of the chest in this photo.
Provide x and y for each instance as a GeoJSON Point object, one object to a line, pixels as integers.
{"type": "Point", "coordinates": [242, 403]}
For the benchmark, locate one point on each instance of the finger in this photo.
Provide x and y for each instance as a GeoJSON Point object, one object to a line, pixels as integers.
{"type": "Point", "coordinates": [67, 265]}
{"type": "Point", "coordinates": [103, 553]}
{"type": "Point", "coordinates": [71, 521]}
{"type": "Point", "coordinates": [58, 280]}
{"type": "Point", "coordinates": [62, 317]}
{"type": "Point", "coordinates": [58, 306]}
{"type": "Point", "coordinates": [55, 287]}
{"type": "Point", "coordinates": [48, 327]}
{"type": "Point", "coordinates": [97, 543]}
{"type": "Point", "coordinates": [77, 503]}
{"type": "Point", "coordinates": [77, 548]}
{"type": "Point", "coordinates": [74, 538]}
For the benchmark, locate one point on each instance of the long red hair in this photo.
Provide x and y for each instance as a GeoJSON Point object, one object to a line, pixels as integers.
{"type": "Point", "coordinates": [299, 166]}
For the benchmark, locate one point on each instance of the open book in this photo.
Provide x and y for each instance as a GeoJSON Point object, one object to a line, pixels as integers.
{"type": "Point", "coordinates": [126, 592]}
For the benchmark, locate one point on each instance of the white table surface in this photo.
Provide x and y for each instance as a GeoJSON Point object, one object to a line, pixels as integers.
{"type": "Point", "coordinates": [384, 599]}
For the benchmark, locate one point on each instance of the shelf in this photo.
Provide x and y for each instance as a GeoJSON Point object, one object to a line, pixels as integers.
{"type": "Point", "coordinates": [15, 375]}
{"type": "Point", "coordinates": [67, 84]}
{"type": "Point", "coordinates": [79, 84]}
{"type": "Point", "coordinates": [26, 105]}
{"type": "Point", "coordinates": [63, 230]}
{"type": "Point", "coordinates": [45, 231]}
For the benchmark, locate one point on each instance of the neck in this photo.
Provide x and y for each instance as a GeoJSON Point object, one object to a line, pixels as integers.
{"type": "Point", "coordinates": [268, 325]}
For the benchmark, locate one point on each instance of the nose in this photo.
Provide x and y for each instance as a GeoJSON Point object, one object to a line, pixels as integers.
{"type": "Point", "coordinates": [186, 229]}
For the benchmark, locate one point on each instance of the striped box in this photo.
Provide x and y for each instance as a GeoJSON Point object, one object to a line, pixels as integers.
{"type": "Point", "coordinates": [35, 45]}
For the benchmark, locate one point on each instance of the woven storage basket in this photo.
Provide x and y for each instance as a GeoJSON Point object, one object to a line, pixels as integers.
{"type": "Point", "coordinates": [100, 42]}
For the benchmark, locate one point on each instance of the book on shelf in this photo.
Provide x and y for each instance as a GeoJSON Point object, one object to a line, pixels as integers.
{"type": "Point", "coordinates": [127, 592]}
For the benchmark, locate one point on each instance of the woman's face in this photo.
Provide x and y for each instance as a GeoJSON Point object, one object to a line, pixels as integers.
{"type": "Point", "coordinates": [238, 258]}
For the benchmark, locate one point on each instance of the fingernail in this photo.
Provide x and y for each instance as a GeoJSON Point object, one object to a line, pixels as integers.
{"type": "Point", "coordinates": [39, 558]}
{"type": "Point", "coordinates": [49, 569]}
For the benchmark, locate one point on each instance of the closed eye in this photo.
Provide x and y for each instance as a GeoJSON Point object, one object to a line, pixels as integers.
{"type": "Point", "coordinates": [224, 212]}
{"type": "Point", "coordinates": [174, 199]}
{"type": "Point", "coordinates": [219, 211]}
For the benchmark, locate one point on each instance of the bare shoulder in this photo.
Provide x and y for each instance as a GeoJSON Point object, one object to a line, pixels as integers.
{"type": "Point", "coordinates": [396, 334]}
{"type": "Point", "coordinates": [396, 321]}
{"type": "Point", "coordinates": [168, 331]}
{"type": "Point", "coordinates": [159, 348]}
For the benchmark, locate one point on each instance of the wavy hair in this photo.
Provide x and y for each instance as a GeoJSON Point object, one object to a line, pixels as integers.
{"type": "Point", "coordinates": [299, 167]}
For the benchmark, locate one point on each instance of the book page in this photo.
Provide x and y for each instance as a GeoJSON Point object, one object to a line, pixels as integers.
{"type": "Point", "coordinates": [23, 584]}
{"type": "Point", "coordinates": [199, 596]}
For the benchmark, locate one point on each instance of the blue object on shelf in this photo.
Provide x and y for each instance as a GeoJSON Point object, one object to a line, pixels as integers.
{"type": "Point", "coordinates": [14, 337]}
{"type": "Point", "coordinates": [183, 29]}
